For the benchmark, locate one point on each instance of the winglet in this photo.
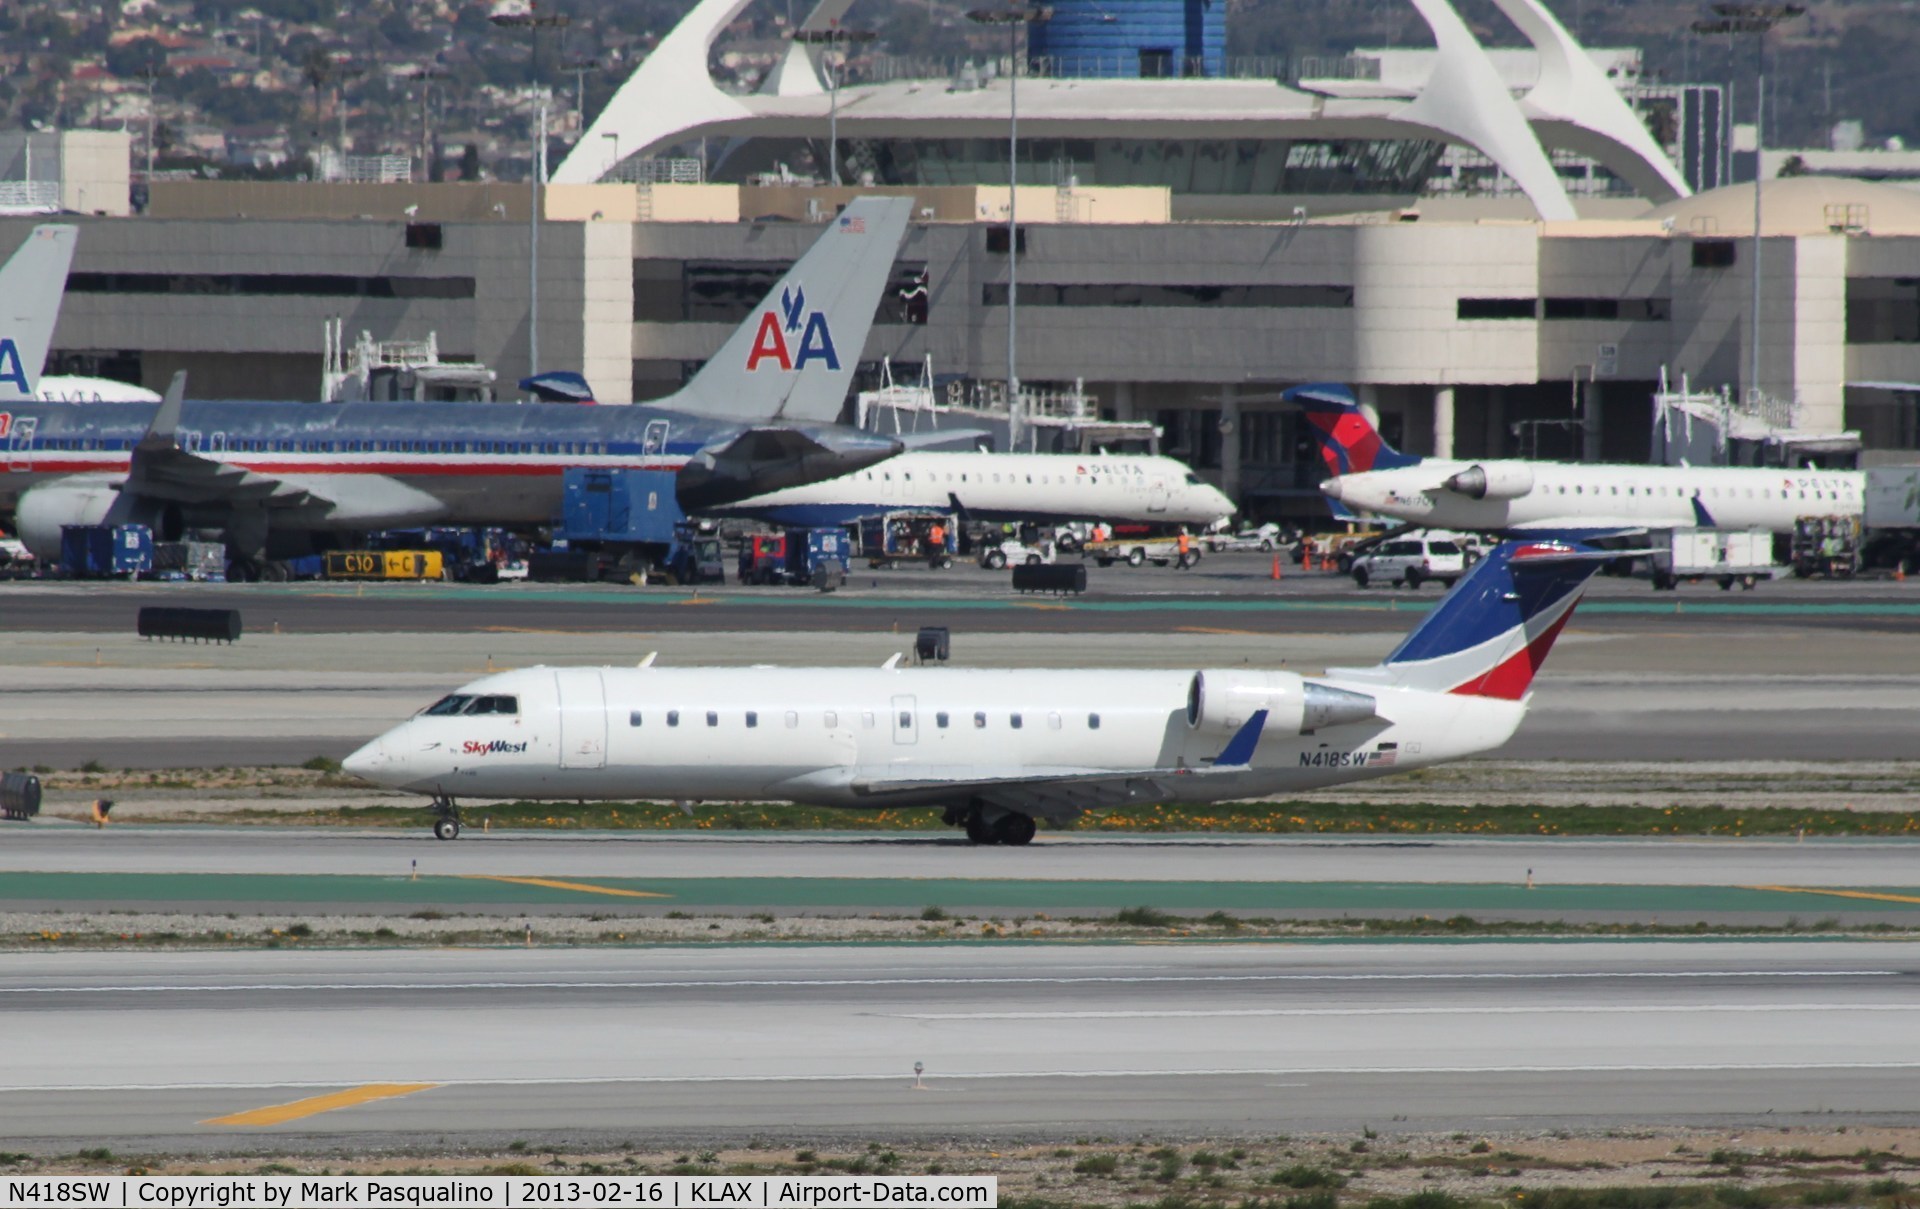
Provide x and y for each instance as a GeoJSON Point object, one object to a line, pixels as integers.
{"type": "Point", "coordinates": [1238, 753]}
{"type": "Point", "coordinates": [166, 421]}
{"type": "Point", "coordinates": [893, 661]}
{"type": "Point", "coordinates": [1701, 516]}
{"type": "Point", "coordinates": [648, 661]}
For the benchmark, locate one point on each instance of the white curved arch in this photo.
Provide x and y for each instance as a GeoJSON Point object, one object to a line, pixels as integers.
{"type": "Point", "coordinates": [669, 92]}
{"type": "Point", "coordinates": [1465, 99]}
{"type": "Point", "coordinates": [1579, 108]}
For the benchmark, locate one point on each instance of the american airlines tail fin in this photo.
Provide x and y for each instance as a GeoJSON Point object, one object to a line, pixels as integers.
{"type": "Point", "coordinates": [1348, 440]}
{"type": "Point", "coordinates": [793, 359]}
{"type": "Point", "coordinates": [1492, 632]}
{"type": "Point", "coordinates": [31, 285]}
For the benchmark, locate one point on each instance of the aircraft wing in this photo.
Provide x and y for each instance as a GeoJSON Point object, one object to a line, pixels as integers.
{"type": "Point", "coordinates": [760, 460]}
{"type": "Point", "coordinates": [1582, 527]}
{"type": "Point", "coordinates": [161, 470]}
{"type": "Point", "coordinates": [1063, 792]}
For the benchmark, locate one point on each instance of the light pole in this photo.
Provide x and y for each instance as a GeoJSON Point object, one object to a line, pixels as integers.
{"type": "Point", "coordinates": [533, 22]}
{"type": "Point", "coordinates": [580, 67]}
{"type": "Point", "coordinates": [425, 76]}
{"type": "Point", "coordinates": [1013, 19]}
{"type": "Point", "coordinates": [831, 36]}
{"type": "Point", "coordinates": [1755, 19]}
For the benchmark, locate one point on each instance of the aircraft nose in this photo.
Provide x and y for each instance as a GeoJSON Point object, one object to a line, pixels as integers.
{"type": "Point", "coordinates": [1332, 489]}
{"type": "Point", "coordinates": [370, 761]}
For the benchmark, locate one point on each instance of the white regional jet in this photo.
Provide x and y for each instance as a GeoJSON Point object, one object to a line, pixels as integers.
{"type": "Point", "coordinates": [1003, 487]}
{"type": "Point", "coordinates": [1519, 497]}
{"type": "Point", "coordinates": [997, 749]}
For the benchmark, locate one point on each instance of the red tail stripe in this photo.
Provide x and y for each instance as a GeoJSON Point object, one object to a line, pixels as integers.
{"type": "Point", "coordinates": [1508, 679]}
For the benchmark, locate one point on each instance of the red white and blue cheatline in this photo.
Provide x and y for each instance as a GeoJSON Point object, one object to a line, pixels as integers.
{"type": "Point", "coordinates": [1493, 630]}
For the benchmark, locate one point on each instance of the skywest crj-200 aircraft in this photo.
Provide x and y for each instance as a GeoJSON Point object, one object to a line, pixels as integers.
{"type": "Point", "coordinates": [998, 749]}
{"type": "Point", "coordinates": [1505, 496]}
{"type": "Point", "coordinates": [285, 471]}
{"type": "Point", "coordinates": [1004, 487]}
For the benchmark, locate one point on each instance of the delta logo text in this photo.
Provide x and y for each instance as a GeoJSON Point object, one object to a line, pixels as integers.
{"type": "Point", "coordinates": [500, 747]}
{"type": "Point", "coordinates": [793, 337]}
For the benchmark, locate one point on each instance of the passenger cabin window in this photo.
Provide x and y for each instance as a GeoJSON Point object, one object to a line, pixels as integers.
{"type": "Point", "coordinates": [906, 719]}
{"type": "Point", "coordinates": [832, 719]}
{"type": "Point", "coordinates": [447, 706]}
{"type": "Point", "coordinates": [753, 719]}
{"type": "Point", "coordinates": [1015, 720]}
{"type": "Point", "coordinates": [633, 719]}
{"type": "Point", "coordinates": [793, 719]}
{"type": "Point", "coordinates": [1053, 721]}
{"type": "Point", "coordinates": [673, 717]}
{"type": "Point", "coordinates": [713, 719]}
{"type": "Point", "coordinates": [979, 721]}
{"type": "Point", "coordinates": [1093, 721]}
{"type": "Point", "coordinates": [940, 719]}
{"type": "Point", "coordinates": [866, 719]}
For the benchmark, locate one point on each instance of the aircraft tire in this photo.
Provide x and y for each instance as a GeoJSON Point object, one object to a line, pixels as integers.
{"type": "Point", "coordinates": [979, 830]}
{"type": "Point", "coordinates": [446, 829]}
{"type": "Point", "coordinates": [1014, 829]}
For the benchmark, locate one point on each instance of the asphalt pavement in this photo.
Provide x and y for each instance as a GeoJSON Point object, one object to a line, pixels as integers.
{"type": "Point", "coordinates": [149, 1050]}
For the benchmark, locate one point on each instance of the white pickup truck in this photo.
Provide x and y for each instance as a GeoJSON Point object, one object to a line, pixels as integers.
{"type": "Point", "coordinates": [1138, 551]}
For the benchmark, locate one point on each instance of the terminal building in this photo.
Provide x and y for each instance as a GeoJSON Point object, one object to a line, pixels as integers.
{"type": "Point", "coordinates": [1189, 243]}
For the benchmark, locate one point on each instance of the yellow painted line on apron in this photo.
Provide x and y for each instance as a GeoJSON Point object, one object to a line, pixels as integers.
{"type": "Point", "coordinates": [1866, 894]}
{"type": "Point", "coordinates": [551, 884]}
{"type": "Point", "coordinates": [279, 1114]}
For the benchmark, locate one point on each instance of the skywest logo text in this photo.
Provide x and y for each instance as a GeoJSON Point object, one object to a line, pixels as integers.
{"type": "Point", "coordinates": [475, 747]}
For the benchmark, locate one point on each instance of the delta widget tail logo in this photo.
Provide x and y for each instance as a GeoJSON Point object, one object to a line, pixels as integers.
{"type": "Point", "coordinates": [1348, 440]}
{"type": "Point", "coordinates": [793, 337]}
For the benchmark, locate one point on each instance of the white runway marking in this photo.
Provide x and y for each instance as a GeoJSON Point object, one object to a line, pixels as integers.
{"type": "Point", "coordinates": [1144, 979]}
{"type": "Point", "coordinates": [933, 1078]}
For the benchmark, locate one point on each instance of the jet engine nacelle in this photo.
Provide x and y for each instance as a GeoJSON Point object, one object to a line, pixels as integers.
{"type": "Point", "coordinates": [1496, 482]}
{"type": "Point", "coordinates": [1222, 701]}
{"type": "Point", "coordinates": [85, 499]}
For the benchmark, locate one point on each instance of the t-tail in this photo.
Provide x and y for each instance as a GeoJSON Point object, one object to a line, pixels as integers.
{"type": "Point", "coordinates": [1348, 440]}
{"type": "Point", "coordinates": [794, 357]}
{"type": "Point", "coordinates": [31, 286]}
{"type": "Point", "coordinates": [1492, 632]}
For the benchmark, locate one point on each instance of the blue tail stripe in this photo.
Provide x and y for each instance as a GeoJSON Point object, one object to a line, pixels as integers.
{"type": "Point", "coordinates": [1497, 596]}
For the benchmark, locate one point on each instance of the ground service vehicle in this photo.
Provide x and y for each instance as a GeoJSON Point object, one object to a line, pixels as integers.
{"type": "Point", "coordinates": [1138, 551]}
{"type": "Point", "coordinates": [106, 551]}
{"type": "Point", "coordinates": [816, 557]}
{"type": "Point", "coordinates": [1726, 556]}
{"type": "Point", "coordinates": [631, 522]}
{"type": "Point", "coordinates": [1411, 561]}
{"type": "Point", "coordinates": [1012, 551]}
{"type": "Point", "coordinates": [907, 536]}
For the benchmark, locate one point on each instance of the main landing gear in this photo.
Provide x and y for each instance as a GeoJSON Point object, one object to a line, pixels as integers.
{"type": "Point", "coordinates": [992, 825]}
{"type": "Point", "coordinates": [446, 819]}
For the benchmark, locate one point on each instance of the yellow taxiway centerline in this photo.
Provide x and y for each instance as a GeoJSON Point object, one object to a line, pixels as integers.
{"type": "Point", "coordinates": [1873, 895]}
{"type": "Point", "coordinates": [551, 884]}
{"type": "Point", "coordinates": [279, 1114]}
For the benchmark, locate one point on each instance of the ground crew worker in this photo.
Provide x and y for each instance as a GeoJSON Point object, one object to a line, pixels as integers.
{"type": "Point", "coordinates": [1185, 545]}
{"type": "Point", "coordinates": [936, 543]}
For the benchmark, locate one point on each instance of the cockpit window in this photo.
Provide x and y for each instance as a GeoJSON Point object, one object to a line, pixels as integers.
{"type": "Point", "coordinates": [1192, 477]}
{"type": "Point", "coordinates": [448, 706]}
{"type": "Point", "coordinates": [494, 705]}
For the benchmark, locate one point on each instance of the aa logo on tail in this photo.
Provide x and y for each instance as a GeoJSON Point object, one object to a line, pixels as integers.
{"type": "Point", "coordinates": [793, 337]}
{"type": "Point", "coordinates": [11, 370]}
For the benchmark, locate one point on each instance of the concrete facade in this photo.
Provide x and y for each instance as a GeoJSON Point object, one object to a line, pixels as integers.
{"type": "Point", "coordinates": [1476, 339]}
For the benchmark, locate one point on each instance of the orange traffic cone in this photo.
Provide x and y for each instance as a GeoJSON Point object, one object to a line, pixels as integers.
{"type": "Point", "coordinates": [1276, 566]}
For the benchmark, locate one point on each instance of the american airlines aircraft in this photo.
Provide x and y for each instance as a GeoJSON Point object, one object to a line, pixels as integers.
{"type": "Point", "coordinates": [1003, 487]}
{"type": "Point", "coordinates": [32, 285]}
{"type": "Point", "coordinates": [278, 473]}
{"type": "Point", "coordinates": [1507, 496]}
{"type": "Point", "coordinates": [997, 749]}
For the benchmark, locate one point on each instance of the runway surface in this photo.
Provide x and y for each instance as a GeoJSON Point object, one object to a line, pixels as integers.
{"type": "Point", "coordinates": [141, 1051]}
{"type": "Point", "coordinates": [293, 871]}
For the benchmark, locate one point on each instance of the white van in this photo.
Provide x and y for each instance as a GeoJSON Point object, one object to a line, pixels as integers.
{"type": "Point", "coordinates": [1411, 561]}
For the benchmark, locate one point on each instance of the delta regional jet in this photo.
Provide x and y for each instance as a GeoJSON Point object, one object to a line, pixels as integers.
{"type": "Point", "coordinates": [997, 749]}
{"type": "Point", "coordinates": [1004, 487]}
{"type": "Point", "coordinates": [270, 475]}
{"type": "Point", "coordinates": [1518, 497]}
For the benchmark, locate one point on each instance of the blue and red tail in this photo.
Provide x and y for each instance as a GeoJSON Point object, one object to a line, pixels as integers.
{"type": "Point", "coordinates": [1492, 632]}
{"type": "Point", "coordinates": [1348, 440]}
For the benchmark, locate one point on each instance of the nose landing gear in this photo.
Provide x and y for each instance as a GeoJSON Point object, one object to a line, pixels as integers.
{"type": "Point", "coordinates": [446, 820]}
